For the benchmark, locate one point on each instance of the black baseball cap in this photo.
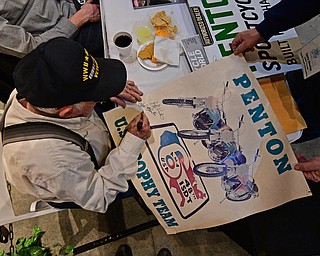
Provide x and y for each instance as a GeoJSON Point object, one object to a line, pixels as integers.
{"type": "Point", "coordinates": [61, 72]}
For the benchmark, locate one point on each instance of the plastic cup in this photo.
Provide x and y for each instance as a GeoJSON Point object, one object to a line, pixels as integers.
{"type": "Point", "coordinates": [143, 30]}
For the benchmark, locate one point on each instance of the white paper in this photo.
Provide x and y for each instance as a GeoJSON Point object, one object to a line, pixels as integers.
{"type": "Point", "coordinates": [310, 57]}
{"type": "Point", "coordinates": [167, 50]}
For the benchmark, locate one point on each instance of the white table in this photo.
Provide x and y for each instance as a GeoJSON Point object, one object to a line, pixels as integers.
{"type": "Point", "coordinates": [119, 15]}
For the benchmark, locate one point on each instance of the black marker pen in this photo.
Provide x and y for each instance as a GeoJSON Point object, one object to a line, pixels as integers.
{"type": "Point", "coordinates": [139, 125]}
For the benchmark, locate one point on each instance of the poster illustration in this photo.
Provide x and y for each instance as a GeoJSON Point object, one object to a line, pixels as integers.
{"type": "Point", "coordinates": [217, 152]}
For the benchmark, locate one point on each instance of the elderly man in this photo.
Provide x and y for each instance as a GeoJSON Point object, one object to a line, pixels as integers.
{"type": "Point", "coordinates": [60, 83]}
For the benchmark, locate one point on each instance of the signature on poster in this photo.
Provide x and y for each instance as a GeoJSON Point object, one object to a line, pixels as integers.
{"type": "Point", "coordinates": [153, 108]}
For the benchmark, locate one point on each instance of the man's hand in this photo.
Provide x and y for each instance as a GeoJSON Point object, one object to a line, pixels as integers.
{"type": "Point", "coordinates": [89, 12]}
{"type": "Point", "coordinates": [310, 168]}
{"type": "Point", "coordinates": [130, 93]}
{"type": "Point", "coordinates": [246, 40]}
{"type": "Point", "coordinates": [140, 126]}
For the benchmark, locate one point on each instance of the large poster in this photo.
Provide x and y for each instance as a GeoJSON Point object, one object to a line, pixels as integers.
{"type": "Point", "coordinates": [218, 22]}
{"type": "Point", "coordinates": [217, 152]}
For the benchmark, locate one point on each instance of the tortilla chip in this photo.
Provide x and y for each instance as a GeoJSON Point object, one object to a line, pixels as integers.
{"type": "Point", "coordinates": [147, 52]}
{"type": "Point", "coordinates": [163, 22]}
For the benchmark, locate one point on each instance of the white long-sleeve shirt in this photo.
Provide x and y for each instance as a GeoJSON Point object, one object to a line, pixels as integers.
{"type": "Point", "coordinates": [59, 171]}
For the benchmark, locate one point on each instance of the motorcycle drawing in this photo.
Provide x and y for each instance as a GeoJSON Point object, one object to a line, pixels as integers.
{"type": "Point", "coordinates": [238, 181]}
{"type": "Point", "coordinates": [221, 141]}
{"type": "Point", "coordinates": [210, 126]}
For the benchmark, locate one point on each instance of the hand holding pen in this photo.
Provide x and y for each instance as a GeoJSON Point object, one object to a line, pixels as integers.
{"type": "Point", "coordinates": [140, 126]}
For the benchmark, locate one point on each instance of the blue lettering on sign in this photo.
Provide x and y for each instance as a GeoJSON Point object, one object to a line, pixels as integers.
{"type": "Point", "coordinates": [146, 180]}
{"type": "Point", "coordinates": [147, 183]}
{"type": "Point", "coordinates": [164, 212]}
{"type": "Point", "coordinates": [274, 146]}
{"type": "Point", "coordinates": [151, 190]}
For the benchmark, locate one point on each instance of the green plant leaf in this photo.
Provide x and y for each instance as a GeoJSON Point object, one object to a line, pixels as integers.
{"type": "Point", "coordinates": [32, 241]}
{"type": "Point", "coordinates": [38, 232]}
{"type": "Point", "coordinates": [39, 251]}
{"type": "Point", "coordinates": [33, 246]}
{"type": "Point", "coordinates": [23, 252]}
{"type": "Point", "coordinates": [20, 243]}
{"type": "Point", "coordinates": [69, 249]}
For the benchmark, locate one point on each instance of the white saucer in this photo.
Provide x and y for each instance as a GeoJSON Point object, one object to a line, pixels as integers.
{"type": "Point", "coordinates": [147, 63]}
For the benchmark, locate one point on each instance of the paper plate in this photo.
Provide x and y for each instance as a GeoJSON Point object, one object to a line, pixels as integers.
{"type": "Point", "coordinates": [147, 63]}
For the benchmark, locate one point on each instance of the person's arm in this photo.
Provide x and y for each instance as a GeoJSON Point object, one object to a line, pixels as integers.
{"type": "Point", "coordinates": [95, 189]}
{"type": "Point", "coordinates": [246, 40]}
{"type": "Point", "coordinates": [287, 14]}
{"type": "Point", "coordinates": [310, 168]}
{"type": "Point", "coordinates": [89, 12]}
{"type": "Point", "coordinates": [130, 93]}
{"type": "Point", "coordinates": [284, 15]}
{"type": "Point", "coordinates": [17, 41]}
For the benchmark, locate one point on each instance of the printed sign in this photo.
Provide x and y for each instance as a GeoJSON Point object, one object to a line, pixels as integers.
{"type": "Point", "coordinates": [175, 166]}
{"type": "Point", "coordinates": [218, 22]}
{"type": "Point", "coordinates": [310, 57]}
{"type": "Point", "coordinates": [216, 149]}
{"type": "Point", "coordinates": [194, 51]}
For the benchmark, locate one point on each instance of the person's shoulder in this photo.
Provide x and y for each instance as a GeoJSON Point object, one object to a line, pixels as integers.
{"type": "Point", "coordinates": [47, 152]}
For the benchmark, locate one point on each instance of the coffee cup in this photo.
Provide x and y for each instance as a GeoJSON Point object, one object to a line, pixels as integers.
{"type": "Point", "coordinates": [123, 42]}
